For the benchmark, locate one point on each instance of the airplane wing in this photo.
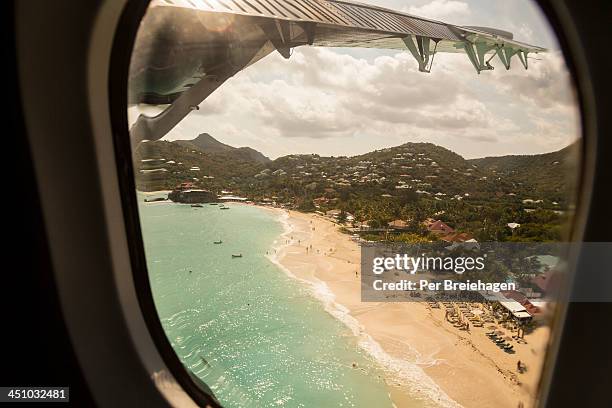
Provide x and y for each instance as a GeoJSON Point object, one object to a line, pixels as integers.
{"type": "Point", "coordinates": [190, 47]}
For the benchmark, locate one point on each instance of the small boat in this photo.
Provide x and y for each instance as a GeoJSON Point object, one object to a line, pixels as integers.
{"type": "Point", "coordinates": [213, 203]}
{"type": "Point", "coordinates": [224, 208]}
{"type": "Point", "coordinates": [196, 205]}
{"type": "Point", "coordinates": [236, 255]}
{"type": "Point", "coordinates": [218, 242]}
{"type": "Point", "coordinates": [146, 200]}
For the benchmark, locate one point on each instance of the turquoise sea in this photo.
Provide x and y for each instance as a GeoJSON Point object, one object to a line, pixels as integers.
{"type": "Point", "coordinates": [255, 335]}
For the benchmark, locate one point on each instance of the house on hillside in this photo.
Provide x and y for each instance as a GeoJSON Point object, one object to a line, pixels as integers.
{"type": "Point", "coordinates": [458, 237]}
{"type": "Point", "coordinates": [398, 225]}
{"type": "Point", "coordinates": [438, 227]}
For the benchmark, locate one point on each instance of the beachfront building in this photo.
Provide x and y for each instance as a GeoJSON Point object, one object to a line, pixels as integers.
{"type": "Point", "coordinates": [187, 192]}
{"type": "Point", "coordinates": [517, 311]}
{"type": "Point", "coordinates": [333, 213]}
{"type": "Point", "coordinates": [192, 196]}
{"type": "Point", "coordinates": [509, 307]}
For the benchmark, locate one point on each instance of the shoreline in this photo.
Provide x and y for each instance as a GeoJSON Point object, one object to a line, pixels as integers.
{"type": "Point", "coordinates": [423, 356]}
{"type": "Point", "coordinates": [401, 375]}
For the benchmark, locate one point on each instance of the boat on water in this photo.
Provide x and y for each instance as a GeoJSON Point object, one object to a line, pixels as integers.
{"type": "Point", "coordinates": [222, 207]}
{"type": "Point", "coordinates": [236, 255]}
{"type": "Point", "coordinates": [153, 200]}
{"type": "Point", "coordinates": [196, 205]}
{"type": "Point", "coordinates": [213, 203]}
{"type": "Point", "coordinates": [217, 242]}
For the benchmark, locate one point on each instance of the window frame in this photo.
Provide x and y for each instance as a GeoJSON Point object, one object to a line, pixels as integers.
{"type": "Point", "coordinates": [557, 17]}
{"type": "Point", "coordinates": [126, 343]}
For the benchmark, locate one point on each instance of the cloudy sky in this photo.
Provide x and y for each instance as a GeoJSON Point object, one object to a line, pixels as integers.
{"type": "Point", "coordinates": [347, 101]}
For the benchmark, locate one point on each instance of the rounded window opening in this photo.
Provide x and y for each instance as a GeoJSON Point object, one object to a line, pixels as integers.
{"type": "Point", "coordinates": [355, 204]}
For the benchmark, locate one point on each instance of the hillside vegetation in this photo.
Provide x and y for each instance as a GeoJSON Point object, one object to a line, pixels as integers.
{"type": "Point", "coordinates": [205, 143]}
{"type": "Point", "coordinates": [410, 182]}
{"type": "Point", "coordinates": [551, 174]}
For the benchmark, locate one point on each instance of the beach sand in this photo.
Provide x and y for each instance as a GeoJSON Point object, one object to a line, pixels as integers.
{"type": "Point", "coordinates": [424, 355]}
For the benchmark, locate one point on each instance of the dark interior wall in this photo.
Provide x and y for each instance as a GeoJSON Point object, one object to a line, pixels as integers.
{"type": "Point", "coordinates": [36, 348]}
{"type": "Point", "coordinates": [583, 372]}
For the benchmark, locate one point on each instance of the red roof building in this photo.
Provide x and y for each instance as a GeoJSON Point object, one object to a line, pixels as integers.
{"type": "Point", "coordinates": [457, 237]}
{"type": "Point", "coordinates": [549, 281]}
{"type": "Point", "coordinates": [439, 227]}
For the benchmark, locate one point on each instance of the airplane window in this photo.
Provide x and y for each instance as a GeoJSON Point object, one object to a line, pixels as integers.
{"type": "Point", "coordinates": [355, 204]}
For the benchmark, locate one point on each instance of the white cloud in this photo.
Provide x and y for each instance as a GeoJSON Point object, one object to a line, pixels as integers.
{"type": "Point", "coordinates": [544, 86]}
{"type": "Point", "coordinates": [333, 98]}
{"type": "Point", "coordinates": [328, 101]}
{"type": "Point", "coordinates": [445, 10]}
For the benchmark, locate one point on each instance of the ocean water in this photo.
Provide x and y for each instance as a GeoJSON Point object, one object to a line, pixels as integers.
{"type": "Point", "coordinates": [256, 336]}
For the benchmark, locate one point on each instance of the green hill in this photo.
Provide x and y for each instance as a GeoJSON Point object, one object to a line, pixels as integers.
{"type": "Point", "coordinates": [550, 176]}
{"type": "Point", "coordinates": [208, 144]}
{"type": "Point", "coordinates": [413, 181]}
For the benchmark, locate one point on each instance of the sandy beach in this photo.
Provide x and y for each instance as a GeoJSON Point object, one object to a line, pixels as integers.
{"type": "Point", "coordinates": [424, 355]}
